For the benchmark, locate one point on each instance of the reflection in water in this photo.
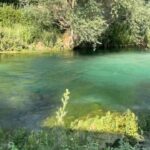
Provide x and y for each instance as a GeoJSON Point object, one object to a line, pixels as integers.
{"type": "Point", "coordinates": [31, 86]}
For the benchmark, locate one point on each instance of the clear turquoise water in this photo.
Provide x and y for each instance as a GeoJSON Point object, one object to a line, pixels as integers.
{"type": "Point", "coordinates": [31, 86]}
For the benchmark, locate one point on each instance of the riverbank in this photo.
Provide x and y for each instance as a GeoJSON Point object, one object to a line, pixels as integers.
{"type": "Point", "coordinates": [112, 131]}
{"type": "Point", "coordinates": [40, 24]}
{"type": "Point", "coordinates": [82, 136]}
{"type": "Point", "coordinates": [39, 52]}
{"type": "Point", "coordinates": [62, 139]}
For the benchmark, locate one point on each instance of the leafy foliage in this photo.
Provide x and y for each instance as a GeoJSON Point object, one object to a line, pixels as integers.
{"type": "Point", "coordinates": [111, 123]}
{"type": "Point", "coordinates": [16, 38]}
{"type": "Point", "coordinates": [9, 15]}
{"type": "Point", "coordinates": [129, 23]}
{"type": "Point", "coordinates": [72, 23]}
{"type": "Point", "coordinates": [84, 22]}
{"type": "Point", "coordinates": [88, 23]}
{"type": "Point", "coordinates": [60, 139]}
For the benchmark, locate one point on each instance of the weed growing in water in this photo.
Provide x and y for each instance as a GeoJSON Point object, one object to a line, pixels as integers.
{"type": "Point", "coordinates": [61, 112]}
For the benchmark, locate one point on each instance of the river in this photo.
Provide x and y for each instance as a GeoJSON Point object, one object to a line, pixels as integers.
{"type": "Point", "coordinates": [31, 86]}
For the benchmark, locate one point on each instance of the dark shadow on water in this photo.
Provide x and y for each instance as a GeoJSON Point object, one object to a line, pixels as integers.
{"type": "Point", "coordinates": [29, 116]}
{"type": "Point", "coordinates": [88, 51]}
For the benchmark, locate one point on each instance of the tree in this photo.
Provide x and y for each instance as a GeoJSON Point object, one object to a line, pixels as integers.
{"type": "Point", "coordinates": [129, 22]}
{"type": "Point", "coordinates": [81, 21]}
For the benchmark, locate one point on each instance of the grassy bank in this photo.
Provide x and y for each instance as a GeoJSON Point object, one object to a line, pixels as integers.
{"type": "Point", "coordinates": [21, 30]}
{"type": "Point", "coordinates": [44, 51]}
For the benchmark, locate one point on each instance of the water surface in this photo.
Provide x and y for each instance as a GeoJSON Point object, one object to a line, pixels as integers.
{"type": "Point", "coordinates": [31, 86]}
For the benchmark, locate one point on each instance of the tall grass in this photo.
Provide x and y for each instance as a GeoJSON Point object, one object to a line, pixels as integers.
{"type": "Point", "coordinates": [9, 15]}
{"type": "Point", "coordinates": [61, 113]}
{"type": "Point", "coordinates": [62, 139]}
{"type": "Point", "coordinates": [25, 28]}
{"type": "Point", "coordinates": [17, 37]}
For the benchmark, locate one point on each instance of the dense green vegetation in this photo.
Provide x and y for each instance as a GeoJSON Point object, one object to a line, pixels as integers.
{"type": "Point", "coordinates": [111, 122]}
{"type": "Point", "coordinates": [66, 24]}
{"type": "Point", "coordinates": [63, 139]}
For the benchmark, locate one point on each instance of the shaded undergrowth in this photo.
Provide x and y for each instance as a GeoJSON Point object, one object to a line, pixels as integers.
{"type": "Point", "coordinates": [59, 138]}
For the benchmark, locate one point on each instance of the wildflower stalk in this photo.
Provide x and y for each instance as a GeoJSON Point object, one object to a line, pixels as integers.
{"type": "Point", "coordinates": [61, 112]}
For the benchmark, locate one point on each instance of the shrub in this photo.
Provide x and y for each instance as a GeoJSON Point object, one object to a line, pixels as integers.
{"type": "Point", "coordinates": [125, 124]}
{"type": "Point", "coordinates": [17, 37]}
{"type": "Point", "coordinates": [81, 21]}
{"type": "Point", "coordinates": [111, 122]}
{"type": "Point", "coordinates": [124, 145]}
{"type": "Point", "coordinates": [9, 15]}
{"type": "Point", "coordinates": [128, 23]}
{"type": "Point", "coordinates": [41, 19]}
{"type": "Point", "coordinates": [61, 139]}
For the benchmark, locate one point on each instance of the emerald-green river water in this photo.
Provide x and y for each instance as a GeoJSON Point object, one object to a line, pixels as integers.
{"type": "Point", "coordinates": [31, 86]}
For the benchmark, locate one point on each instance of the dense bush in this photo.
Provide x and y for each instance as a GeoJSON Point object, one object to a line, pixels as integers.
{"type": "Point", "coordinates": [11, 39]}
{"type": "Point", "coordinates": [83, 22]}
{"type": "Point", "coordinates": [17, 37]}
{"type": "Point", "coordinates": [24, 28]}
{"type": "Point", "coordinates": [123, 23]}
{"type": "Point", "coordinates": [119, 23]}
{"type": "Point", "coordinates": [9, 15]}
{"type": "Point", "coordinates": [41, 19]}
{"type": "Point", "coordinates": [129, 23]}
{"type": "Point", "coordinates": [61, 139]}
{"type": "Point", "coordinates": [111, 122]}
